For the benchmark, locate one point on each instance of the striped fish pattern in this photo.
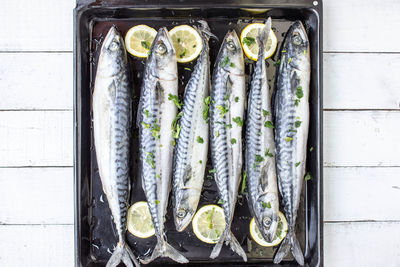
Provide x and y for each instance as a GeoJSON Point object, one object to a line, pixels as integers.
{"type": "Point", "coordinates": [192, 146]}
{"type": "Point", "coordinates": [260, 148]}
{"type": "Point", "coordinates": [156, 114]}
{"type": "Point", "coordinates": [291, 129]}
{"type": "Point", "coordinates": [226, 118]}
{"type": "Point", "coordinates": [111, 126]}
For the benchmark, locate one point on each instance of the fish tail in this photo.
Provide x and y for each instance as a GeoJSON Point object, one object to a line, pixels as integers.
{"type": "Point", "coordinates": [234, 244]}
{"type": "Point", "coordinates": [205, 29]}
{"type": "Point", "coordinates": [262, 37]}
{"type": "Point", "coordinates": [123, 253]}
{"type": "Point", "coordinates": [163, 249]}
{"type": "Point", "coordinates": [290, 242]}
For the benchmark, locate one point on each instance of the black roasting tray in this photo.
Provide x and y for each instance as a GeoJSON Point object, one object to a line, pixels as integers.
{"type": "Point", "coordinates": [94, 229]}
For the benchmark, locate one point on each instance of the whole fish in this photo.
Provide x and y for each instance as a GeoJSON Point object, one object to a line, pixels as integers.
{"type": "Point", "coordinates": [260, 148]}
{"type": "Point", "coordinates": [192, 146]}
{"type": "Point", "coordinates": [156, 113]}
{"type": "Point", "coordinates": [226, 117]}
{"type": "Point", "coordinates": [291, 129]}
{"type": "Point", "coordinates": [111, 126]}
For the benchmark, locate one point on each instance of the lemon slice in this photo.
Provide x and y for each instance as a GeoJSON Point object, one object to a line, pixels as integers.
{"type": "Point", "coordinates": [209, 223]}
{"type": "Point", "coordinates": [187, 43]}
{"type": "Point", "coordinates": [248, 38]}
{"type": "Point", "coordinates": [139, 220]}
{"type": "Point", "coordinates": [138, 40]}
{"type": "Point", "coordinates": [280, 233]}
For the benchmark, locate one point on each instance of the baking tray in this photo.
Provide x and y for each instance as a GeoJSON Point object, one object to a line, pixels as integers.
{"type": "Point", "coordinates": [94, 229]}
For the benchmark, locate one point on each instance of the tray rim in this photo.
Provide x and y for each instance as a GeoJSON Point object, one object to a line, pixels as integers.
{"type": "Point", "coordinates": [86, 5]}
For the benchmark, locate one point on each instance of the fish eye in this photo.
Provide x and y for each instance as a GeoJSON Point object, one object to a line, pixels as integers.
{"type": "Point", "coordinates": [267, 222]}
{"type": "Point", "coordinates": [181, 213]}
{"type": "Point", "coordinates": [161, 49]}
{"type": "Point", "coordinates": [231, 45]}
{"type": "Point", "coordinates": [113, 46]}
{"type": "Point", "coordinates": [297, 39]}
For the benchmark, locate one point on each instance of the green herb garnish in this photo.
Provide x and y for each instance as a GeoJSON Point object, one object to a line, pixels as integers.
{"type": "Point", "coordinates": [187, 69]}
{"type": "Point", "coordinates": [146, 45]}
{"type": "Point", "coordinates": [265, 205]}
{"type": "Point", "coordinates": [233, 141]}
{"type": "Point", "coordinates": [206, 109]}
{"type": "Point", "coordinates": [232, 65]}
{"type": "Point", "coordinates": [299, 92]}
{"type": "Point", "coordinates": [238, 121]}
{"type": "Point", "coordinates": [145, 125]}
{"type": "Point", "coordinates": [178, 103]}
{"type": "Point", "coordinates": [157, 202]}
{"type": "Point", "coordinates": [269, 124]}
{"type": "Point", "coordinates": [298, 163]}
{"type": "Point", "coordinates": [146, 112]}
{"type": "Point", "coordinates": [200, 161]}
{"type": "Point", "coordinates": [212, 171]}
{"type": "Point", "coordinates": [249, 41]}
{"type": "Point", "coordinates": [288, 139]}
{"type": "Point", "coordinates": [259, 158]}
{"type": "Point", "coordinates": [289, 60]}
{"type": "Point", "coordinates": [222, 110]}
{"type": "Point", "coordinates": [150, 160]}
{"type": "Point", "coordinates": [225, 61]}
{"type": "Point", "coordinates": [183, 53]}
{"type": "Point", "coordinates": [307, 177]}
{"type": "Point", "coordinates": [200, 140]}
{"type": "Point", "coordinates": [297, 124]}
{"type": "Point", "coordinates": [265, 113]}
{"type": "Point", "coordinates": [236, 99]}
{"type": "Point", "coordinates": [244, 181]}
{"type": "Point", "coordinates": [311, 149]}
{"type": "Point", "coordinates": [268, 154]}
{"type": "Point", "coordinates": [158, 176]}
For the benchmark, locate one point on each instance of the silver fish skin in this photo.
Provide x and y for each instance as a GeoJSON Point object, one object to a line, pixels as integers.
{"type": "Point", "coordinates": [111, 126]}
{"type": "Point", "coordinates": [260, 148]}
{"type": "Point", "coordinates": [228, 95]}
{"type": "Point", "coordinates": [192, 145]}
{"type": "Point", "coordinates": [155, 116]}
{"type": "Point", "coordinates": [291, 112]}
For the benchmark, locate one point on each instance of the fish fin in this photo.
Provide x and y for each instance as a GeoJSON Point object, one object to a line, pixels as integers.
{"type": "Point", "coordinates": [163, 249]}
{"type": "Point", "coordinates": [205, 29]}
{"type": "Point", "coordinates": [233, 243]}
{"type": "Point", "coordinates": [236, 247]}
{"type": "Point", "coordinates": [122, 253]}
{"type": "Point", "coordinates": [290, 242]}
{"type": "Point", "coordinates": [262, 37]}
{"type": "Point", "coordinates": [217, 248]}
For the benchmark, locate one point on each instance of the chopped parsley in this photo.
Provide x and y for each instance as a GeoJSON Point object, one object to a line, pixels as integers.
{"type": "Point", "coordinates": [155, 131]}
{"type": "Point", "coordinates": [233, 141]}
{"type": "Point", "coordinates": [298, 163]}
{"type": "Point", "coordinates": [220, 201]}
{"type": "Point", "coordinates": [146, 112]}
{"type": "Point", "coordinates": [200, 161]}
{"type": "Point", "coordinates": [225, 61]}
{"type": "Point", "coordinates": [249, 41]}
{"type": "Point", "coordinates": [146, 45]}
{"type": "Point", "coordinates": [292, 130]}
{"type": "Point", "coordinates": [268, 153]}
{"type": "Point", "coordinates": [265, 205]}
{"type": "Point", "coordinates": [150, 160]}
{"type": "Point", "coordinates": [179, 40]}
{"type": "Point", "coordinates": [157, 202]}
{"type": "Point", "coordinates": [145, 125]}
{"type": "Point", "coordinates": [223, 110]}
{"type": "Point", "coordinates": [289, 60]}
{"type": "Point", "coordinates": [200, 140]}
{"type": "Point", "coordinates": [269, 124]}
{"type": "Point", "coordinates": [232, 65]}
{"type": "Point", "coordinates": [297, 124]}
{"type": "Point", "coordinates": [266, 113]}
{"type": "Point", "coordinates": [311, 149]}
{"type": "Point", "coordinates": [283, 51]}
{"type": "Point", "coordinates": [299, 92]}
{"type": "Point", "coordinates": [259, 158]}
{"type": "Point", "coordinates": [158, 176]}
{"type": "Point", "coordinates": [183, 53]}
{"type": "Point", "coordinates": [307, 177]}
{"type": "Point", "coordinates": [244, 181]}
{"type": "Point", "coordinates": [236, 99]}
{"type": "Point", "coordinates": [217, 133]}
{"type": "Point", "coordinates": [206, 109]}
{"type": "Point", "coordinates": [288, 139]}
{"type": "Point", "coordinates": [238, 121]}
{"type": "Point", "coordinates": [178, 103]}
{"type": "Point", "coordinates": [277, 63]}
{"type": "Point", "coordinates": [212, 171]}
{"type": "Point", "coordinates": [296, 102]}
{"type": "Point", "coordinates": [187, 69]}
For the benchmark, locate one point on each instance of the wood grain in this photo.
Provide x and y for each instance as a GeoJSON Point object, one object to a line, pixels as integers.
{"type": "Point", "coordinates": [36, 81]}
{"type": "Point", "coordinates": [362, 244]}
{"type": "Point", "coordinates": [367, 138]}
{"type": "Point", "coordinates": [361, 25]}
{"type": "Point", "coordinates": [37, 245]}
{"type": "Point", "coordinates": [36, 138]}
{"type": "Point", "coordinates": [361, 81]}
{"type": "Point", "coordinates": [40, 25]}
{"type": "Point", "coordinates": [43, 196]}
{"type": "Point", "coordinates": [357, 194]}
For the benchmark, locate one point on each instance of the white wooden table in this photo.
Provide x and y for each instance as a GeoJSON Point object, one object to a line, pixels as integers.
{"type": "Point", "coordinates": [361, 133]}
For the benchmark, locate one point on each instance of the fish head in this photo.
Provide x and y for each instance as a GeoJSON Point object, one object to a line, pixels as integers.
{"type": "Point", "coordinates": [113, 55]}
{"type": "Point", "coordinates": [269, 225]}
{"type": "Point", "coordinates": [184, 208]}
{"type": "Point", "coordinates": [162, 56]}
{"type": "Point", "coordinates": [230, 57]}
{"type": "Point", "coordinates": [297, 45]}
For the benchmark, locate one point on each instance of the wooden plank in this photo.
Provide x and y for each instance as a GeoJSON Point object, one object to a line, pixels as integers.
{"type": "Point", "coordinates": [374, 82]}
{"type": "Point", "coordinates": [355, 194]}
{"type": "Point", "coordinates": [37, 25]}
{"type": "Point", "coordinates": [36, 138]}
{"type": "Point", "coordinates": [44, 196]}
{"type": "Point", "coordinates": [361, 25]}
{"type": "Point", "coordinates": [36, 81]}
{"type": "Point", "coordinates": [362, 244]}
{"type": "Point", "coordinates": [37, 245]}
{"type": "Point", "coordinates": [367, 138]}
